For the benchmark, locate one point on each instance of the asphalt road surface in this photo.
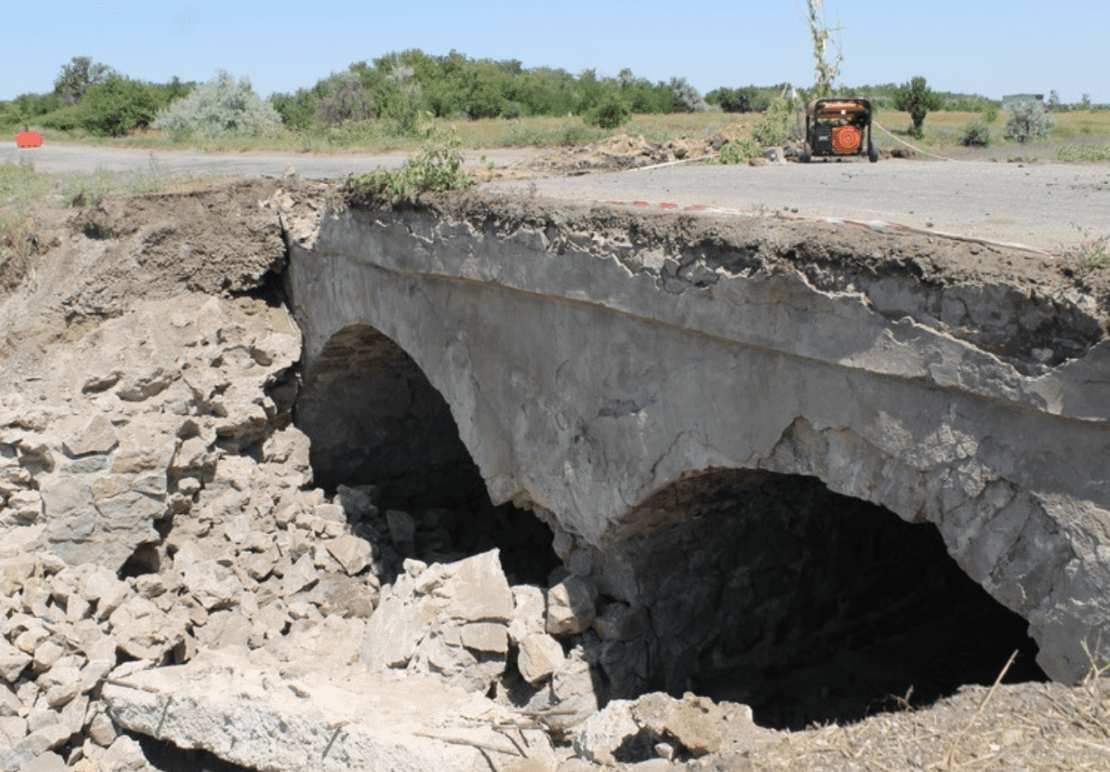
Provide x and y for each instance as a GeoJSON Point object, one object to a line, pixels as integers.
{"type": "Point", "coordinates": [1039, 204]}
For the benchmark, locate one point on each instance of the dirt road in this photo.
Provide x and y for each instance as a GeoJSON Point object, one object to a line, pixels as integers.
{"type": "Point", "coordinates": [1039, 204]}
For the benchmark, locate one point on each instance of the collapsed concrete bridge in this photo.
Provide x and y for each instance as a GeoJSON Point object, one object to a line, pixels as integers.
{"type": "Point", "coordinates": [634, 378]}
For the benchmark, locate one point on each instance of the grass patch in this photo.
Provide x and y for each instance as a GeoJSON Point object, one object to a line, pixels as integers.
{"type": "Point", "coordinates": [1092, 152]}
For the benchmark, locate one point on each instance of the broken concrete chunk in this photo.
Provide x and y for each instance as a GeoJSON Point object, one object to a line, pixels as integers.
{"type": "Point", "coordinates": [570, 606]}
{"type": "Point", "coordinates": [47, 762]}
{"type": "Point", "coordinates": [9, 703]}
{"type": "Point", "coordinates": [143, 631]}
{"type": "Point", "coordinates": [605, 731]}
{"type": "Point", "coordinates": [394, 631]}
{"type": "Point", "coordinates": [353, 553]}
{"type": "Point", "coordinates": [301, 575]}
{"type": "Point", "coordinates": [539, 656]}
{"type": "Point", "coordinates": [97, 436]}
{"type": "Point", "coordinates": [477, 590]}
{"type": "Point", "coordinates": [529, 612]}
{"type": "Point", "coordinates": [101, 730]}
{"type": "Point", "coordinates": [16, 569]}
{"type": "Point", "coordinates": [693, 722]}
{"type": "Point", "coordinates": [485, 636]}
{"type": "Point", "coordinates": [61, 684]}
{"type": "Point", "coordinates": [214, 585]}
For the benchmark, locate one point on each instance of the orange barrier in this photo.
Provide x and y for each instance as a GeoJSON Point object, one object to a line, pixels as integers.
{"type": "Point", "coordinates": [28, 139]}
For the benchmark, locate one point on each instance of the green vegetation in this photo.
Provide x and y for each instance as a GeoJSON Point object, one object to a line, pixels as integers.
{"type": "Point", "coordinates": [376, 106]}
{"type": "Point", "coordinates": [917, 99]}
{"type": "Point", "coordinates": [437, 166]}
{"type": "Point", "coordinates": [773, 128]}
{"type": "Point", "coordinates": [219, 107]}
{"type": "Point", "coordinates": [1028, 120]}
{"type": "Point", "coordinates": [826, 71]}
{"type": "Point", "coordinates": [976, 133]}
{"type": "Point", "coordinates": [1094, 152]}
{"type": "Point", "coordinates": [610, 113]}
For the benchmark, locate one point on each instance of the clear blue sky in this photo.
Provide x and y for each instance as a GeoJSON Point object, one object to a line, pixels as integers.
{"type": "Point", "coordinates": [988, 47]}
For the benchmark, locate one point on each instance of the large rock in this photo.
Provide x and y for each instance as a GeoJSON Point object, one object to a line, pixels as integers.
{"type": "Point", "coordinates": [451, 619]}
{"type": "Point", "coordinates": [335, 718]}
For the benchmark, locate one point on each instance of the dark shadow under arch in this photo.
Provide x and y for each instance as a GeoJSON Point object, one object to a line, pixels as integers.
{"type": "Point", "coordinates": [809, 606]}
{"type": "Point", "coordinates": [376, 422]}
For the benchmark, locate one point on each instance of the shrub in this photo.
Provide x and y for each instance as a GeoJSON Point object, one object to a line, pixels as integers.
{"type": "Point", "coordinates": [686, 97]}
{"type": "Point", "coordinates": [772, 128]}
{"type": "Point", "coordinates": [218, 108]}
{"type": "Point", "coordinates": [64, 119]}
{"type": "Point", "coordinates": [511, 110]}
{"type": "Point", "coordinates": [1028, 120]}
{"type": "Point", "coordinates": [733, 100]}
{"type": "Point", "coordinates": [349, 101]}
{"type": "Point", "coordinates": [609, 113]}
{"type": "Point", "coordinates": [297, 111]}
{"type": "Point", "coordinates": [990, 115]}
{"type": "Point", "coordinates": [117, 106]}
{"type": "Point", "coordinates": [403, 102]}
{"type": "Point", "coordinates": [976, 133]}
{"type": "Point", "coordinates": [437, 165]}
{"type": "Point", "coordinates": [917, 99]}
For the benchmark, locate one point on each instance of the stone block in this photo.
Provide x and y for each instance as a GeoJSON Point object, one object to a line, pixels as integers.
{"type": "Point", "coordinates": [353, 553]}
{"type": "Point", "coordinates": [16, 569]}
{"type": "Point", "coordinates": [486, 637]}
{"type": "Point", "coordinates": [570, 606]}
{"type": "Point", "coordinates": [47, 762]}
{"type": "Point", "coordinates": [97, 436]}
{"type": "Point", "coordinates": [12, 661]}
{"type": "Point", "coordinates": [539, 656]}
{"type": "Point", "coordinates": [476, 590]}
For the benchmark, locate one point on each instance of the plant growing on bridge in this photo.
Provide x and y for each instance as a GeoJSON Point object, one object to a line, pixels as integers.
{"type": "Point", "coordinates": [437, 165]}
{"type": "Point", "coordinates": [917, 99]}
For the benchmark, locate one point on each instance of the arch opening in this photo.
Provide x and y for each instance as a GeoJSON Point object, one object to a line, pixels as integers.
{"type": "Point", "coordinates": [809, 606]}
{"type": "Point", "coordinates": [384, 439]}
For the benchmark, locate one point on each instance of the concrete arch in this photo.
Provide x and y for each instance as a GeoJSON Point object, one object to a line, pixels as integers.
{"type": "Point", "coordinates": [591, 363]}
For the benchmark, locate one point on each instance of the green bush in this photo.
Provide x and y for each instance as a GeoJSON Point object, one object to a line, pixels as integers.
{"type": "Point", "coordinates": [772, 128]}
{"type": "Point", "coordinates": [511, 110]}
{"type": "Point", "coordinates": [297, 111]}
{"type": "Point", "coordinates": [609, 113]}
{"type": "Point", "coordinates": [349, 101]}
{"type": "Point", "coordinates": [917, 99]}
{"type": "Point", "coordinates": [990, 115]}
{"type": "Point", "coordinates": [1027, 121]}
{"type": "Point", "coordinates": [218, 108]}
{"type": "Point", "coordinates": [437, 166]}
{"type": "Point", "coordinates": [117, 106]}
{"type": "Point", "coordinates": [64, 119]}
{"type": "Point", "coordinates": [976, 133]}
